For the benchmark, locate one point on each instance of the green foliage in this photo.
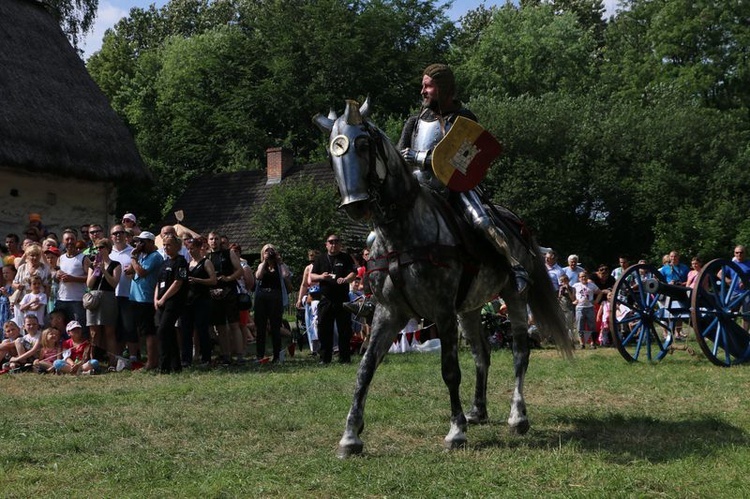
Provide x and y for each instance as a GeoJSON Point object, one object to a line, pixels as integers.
{"type": "Point", "coordinates": [208, 86]}
{"type": "Point", "coordinates": [626, 135]}
{"type": "Point", "coordinates": [76, 17]}
{"type": "Point", "coordinates": [697, 47]}
{"type": "Point", "coordinates": [295, 217]}
{"type": "Point", "coordinates": [528, 51]}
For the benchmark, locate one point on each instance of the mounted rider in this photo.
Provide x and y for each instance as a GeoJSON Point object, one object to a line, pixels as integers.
{"type": "Point", "coordinates": [421, 133]}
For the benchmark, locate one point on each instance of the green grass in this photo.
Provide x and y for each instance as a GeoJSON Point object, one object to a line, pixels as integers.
{"type": "Point", "coordinates": [600, 428]}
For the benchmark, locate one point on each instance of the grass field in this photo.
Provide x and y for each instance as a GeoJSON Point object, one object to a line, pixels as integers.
{"type": "Point", "coordinates": [599, 428]}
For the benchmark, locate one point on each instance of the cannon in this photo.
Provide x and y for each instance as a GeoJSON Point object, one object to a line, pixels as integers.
{"type": "Point", "coordinates": [645, 311]}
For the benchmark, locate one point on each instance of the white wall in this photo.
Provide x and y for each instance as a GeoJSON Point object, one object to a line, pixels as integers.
{"type": "Point", "coordinates": [62, 202]}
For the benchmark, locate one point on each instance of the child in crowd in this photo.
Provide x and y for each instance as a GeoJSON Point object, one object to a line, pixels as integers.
{"type": "Point", "coordinates": [29, 345]}
{"type": "Point", "coordinates": [11, 332]}
{"type": "Point", "coordinates": [76, 353]}
{"type": "Point", "coordinates": [58, 319]}
{"type": "Point", "coordinates": [311, 318]}
{"type": "Point", "coordinates": [36, 301]}
{"type": "Point", "coordinates": [602, 321]}
{"type": "Point", "coordinates": [585, 293]}
{"type": "Point", "coordinates": [6, 291]}
{"type": "Point", "coordinates": [50, 352]}
{"type": "Point", "coordinates": [566, 297]}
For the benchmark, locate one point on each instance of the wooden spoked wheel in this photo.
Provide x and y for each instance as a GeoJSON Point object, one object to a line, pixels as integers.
{"type": "Point", "coordinates": [640, 325]}
{"type": "Point", "coordinates": [721, 313]}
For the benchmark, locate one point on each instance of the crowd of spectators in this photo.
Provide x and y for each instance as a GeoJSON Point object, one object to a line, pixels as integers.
{"type": "Point", "coordinates": [584, 296]}
{"type": "Point", "coordinates": [188, 300]}
{"type": "Point", "coordinates": [91, 300]}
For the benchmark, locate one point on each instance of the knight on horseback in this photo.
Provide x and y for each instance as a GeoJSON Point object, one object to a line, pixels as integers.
{"type": "Point", "coordinates": [423, 132]}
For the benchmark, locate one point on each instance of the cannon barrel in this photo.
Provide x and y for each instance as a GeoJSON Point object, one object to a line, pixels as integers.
{"type": "Point", "coordinates": [680, 293]}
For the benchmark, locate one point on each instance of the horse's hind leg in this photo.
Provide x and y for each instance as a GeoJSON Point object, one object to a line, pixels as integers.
{"type": "Point", "coordinates": [518, 421]}
{"type": "Point", "coordinates": [448, 330]}
{"type": "Point", "coordinates": [384, 329]}
{"type": "Point", "coordinates": [471, 325]}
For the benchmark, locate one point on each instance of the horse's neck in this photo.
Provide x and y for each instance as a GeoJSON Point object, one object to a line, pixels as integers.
{"type": "Point", "coordinates": [419, 224]}
{"type": "Point", "coordinates": [400, 186]}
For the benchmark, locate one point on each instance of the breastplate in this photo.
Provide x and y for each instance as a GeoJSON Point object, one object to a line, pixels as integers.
{"type": "Point", "coordinates": [428, 134]}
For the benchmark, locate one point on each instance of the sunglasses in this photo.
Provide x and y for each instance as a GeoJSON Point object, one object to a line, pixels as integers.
{"type": "Point", "coordinates": [333, 241]}
{"type": "Point", "coordinates": [97, 231]}
{"type": "Point", "coordinates": [118, 233]}
{"type": "Point", "coordinates": [100, 247]}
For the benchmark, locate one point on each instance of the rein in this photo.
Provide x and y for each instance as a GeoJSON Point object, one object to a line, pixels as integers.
{"type": "Point", "coordinates": [389, 213]}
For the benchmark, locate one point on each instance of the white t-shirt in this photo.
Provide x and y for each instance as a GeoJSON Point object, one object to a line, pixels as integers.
{"type": "Point", "coordinates": [585, 294]}
{"type": "Point", "coordinates": [39, 312]}
{"type": "Point", "coordinates": [72, 291]}
{"type": "Point", "coordinates": [123, 287]}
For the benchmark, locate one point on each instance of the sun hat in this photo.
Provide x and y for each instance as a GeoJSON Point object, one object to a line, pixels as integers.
{"type": "Point", "coordinates": [145, 235]}
{"type": "Point", "coordinates": [72, 325]}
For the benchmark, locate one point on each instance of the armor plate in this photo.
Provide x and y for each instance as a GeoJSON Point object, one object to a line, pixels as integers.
{"type": "Point", "coordinates": [427, 134]}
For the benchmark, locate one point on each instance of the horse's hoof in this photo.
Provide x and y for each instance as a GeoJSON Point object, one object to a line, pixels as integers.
{"type": "Point", "coordinates": [349, 448]}
{"type": "Point", "coordinates": [477, 417]}
{"type": "Point", "coordinates": [455, 443]}
{"type": "Point", "coordinates": [520, 428]}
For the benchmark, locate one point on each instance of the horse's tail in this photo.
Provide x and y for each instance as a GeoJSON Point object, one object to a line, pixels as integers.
{"type": "Point", "coordinates": [548, 314]}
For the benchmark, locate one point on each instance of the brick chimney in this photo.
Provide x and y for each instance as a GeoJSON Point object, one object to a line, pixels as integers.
{"type": "Point", "coordinates": [278, 162]}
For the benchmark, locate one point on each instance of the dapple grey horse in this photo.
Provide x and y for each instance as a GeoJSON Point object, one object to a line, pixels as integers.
{"type": "Point", "coordinates": [423, 264]}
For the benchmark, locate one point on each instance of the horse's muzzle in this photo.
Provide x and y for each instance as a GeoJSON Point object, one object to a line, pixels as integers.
{"type": "Point", "coordinates": [357, 209]}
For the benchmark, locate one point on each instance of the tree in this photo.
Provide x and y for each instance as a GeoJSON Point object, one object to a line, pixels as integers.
{"type": "Point", "coordinates": [208, 86]}
{"type": "Point", "coordinates": [76, 17]}
{"type": "Point", "coordinates": [296, 216]}
{"type": "Point", "coordinates": [696, 47]}
{"type": "Point", "coordinates": [531, 50]}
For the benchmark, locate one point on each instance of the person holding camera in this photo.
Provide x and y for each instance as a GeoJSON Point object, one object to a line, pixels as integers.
{"type": "Point", "coordinates": [271, 296]}
{"type": "Point", "coordinates": [334, 271]}
{"type": "Point", "coordinates": [145, 263]}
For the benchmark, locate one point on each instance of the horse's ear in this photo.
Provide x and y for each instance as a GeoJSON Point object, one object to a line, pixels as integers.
{"type": "Point", "coordinates": [332, 114]}
{"type": "Point", "coordinates": [324, 123]}
{"type": "Point", "coordinates": [364, 109]}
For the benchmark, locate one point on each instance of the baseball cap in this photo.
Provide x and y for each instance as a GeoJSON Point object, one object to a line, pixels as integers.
{"type": "Point", "coordinates": [145, 235]}
{"type": "Point", "coordinates": [71, 326]}
{"type": "Point", "coordinates": [54, 250]}
{"type": "Point", "coordinates": [129, 216]}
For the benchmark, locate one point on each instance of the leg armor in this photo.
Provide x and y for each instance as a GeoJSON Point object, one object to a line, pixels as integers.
{"type": "Point", "coordinates": [477, 215]}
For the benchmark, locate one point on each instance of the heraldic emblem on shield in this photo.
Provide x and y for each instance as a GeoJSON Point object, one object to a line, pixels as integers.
{"type": "Point", "coordinates": [461, 159]}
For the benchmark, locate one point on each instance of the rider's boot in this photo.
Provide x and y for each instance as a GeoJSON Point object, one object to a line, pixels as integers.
{"type": "Point", "coordinates": [476, 212]}
{"type": "Point", "coordinates": [497, 238]}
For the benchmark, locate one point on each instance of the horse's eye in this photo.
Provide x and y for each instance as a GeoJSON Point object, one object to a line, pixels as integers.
{"type": "Point", "coordinates": [339, 145]}
{"type": "Point", "coordinates": [361, 143]}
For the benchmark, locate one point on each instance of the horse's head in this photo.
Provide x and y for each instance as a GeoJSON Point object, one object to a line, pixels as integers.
{"type": "Point", "coordinates": [353, 153]}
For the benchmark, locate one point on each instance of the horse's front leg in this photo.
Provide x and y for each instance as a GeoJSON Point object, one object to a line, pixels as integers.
{"type": "Point", "coordinates": [471, 326]}
{"type": "Point", "coordinates": [448, 330]}
{"type": "Point", "coordinates": [518, 421]}
{"type": "Point", "coordinates": [384, 329]}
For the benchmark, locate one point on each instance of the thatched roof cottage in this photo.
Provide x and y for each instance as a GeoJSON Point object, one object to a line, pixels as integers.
{"type": "Point", "coordinates": [62, 147]}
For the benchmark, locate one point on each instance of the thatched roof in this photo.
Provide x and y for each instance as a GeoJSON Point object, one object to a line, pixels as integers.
{"type": "Point", "coordinates": [53, 116]}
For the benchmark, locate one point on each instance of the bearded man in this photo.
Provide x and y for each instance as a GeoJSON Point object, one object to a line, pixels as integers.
{"type": "Point", "coordinates": [421, 133]}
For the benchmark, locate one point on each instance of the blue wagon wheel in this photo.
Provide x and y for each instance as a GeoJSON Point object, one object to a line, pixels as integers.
{"type": "Point", "coordinates": [721, 313]}
{"type": "Point", "coordinates": [639, 323]}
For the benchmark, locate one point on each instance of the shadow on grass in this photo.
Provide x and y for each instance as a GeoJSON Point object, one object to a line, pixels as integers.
{"type": "Point", "coordinates": [628, 438]}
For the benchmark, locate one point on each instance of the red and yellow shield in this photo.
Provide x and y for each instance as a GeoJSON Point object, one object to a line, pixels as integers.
{"type": "Point", "coordinates": [461, 159]}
